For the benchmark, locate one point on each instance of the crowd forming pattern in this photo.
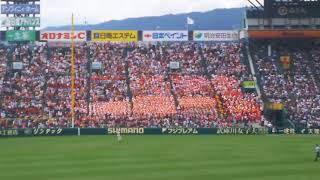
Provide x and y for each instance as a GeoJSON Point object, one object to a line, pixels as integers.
{"type": "Point", "coordinates": [135, 88]}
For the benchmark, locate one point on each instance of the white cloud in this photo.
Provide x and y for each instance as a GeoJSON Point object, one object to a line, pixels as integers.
{"type": "Point", "coordinates": [58, 12]}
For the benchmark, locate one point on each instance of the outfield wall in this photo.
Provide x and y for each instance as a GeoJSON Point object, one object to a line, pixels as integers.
{"type": "Point", "coordinates": [151, 131]}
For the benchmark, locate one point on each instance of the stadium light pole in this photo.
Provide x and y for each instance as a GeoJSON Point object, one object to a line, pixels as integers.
{"type": "Point", "coordinates": [72, 72]}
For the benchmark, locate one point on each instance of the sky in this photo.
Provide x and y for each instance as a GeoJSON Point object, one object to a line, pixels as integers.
{"type": "Point", "coordinates": [58, 12]}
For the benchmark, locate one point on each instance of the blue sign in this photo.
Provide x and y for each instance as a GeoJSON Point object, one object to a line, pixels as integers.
{"type": "Point", "coordinates": [96, 66]}
{"type": "Point", "coordinates": [20, 9]}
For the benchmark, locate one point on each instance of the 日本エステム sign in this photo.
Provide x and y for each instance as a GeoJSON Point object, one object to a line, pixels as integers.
{"type": "Point", "coordinates": [114, 36]}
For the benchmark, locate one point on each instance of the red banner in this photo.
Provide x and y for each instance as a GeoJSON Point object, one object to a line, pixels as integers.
{"type": "Point", "coordinates": [283, 34]}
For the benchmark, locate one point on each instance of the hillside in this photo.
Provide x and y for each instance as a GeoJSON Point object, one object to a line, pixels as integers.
{"type": "Point", "coordinates": [217, 19]}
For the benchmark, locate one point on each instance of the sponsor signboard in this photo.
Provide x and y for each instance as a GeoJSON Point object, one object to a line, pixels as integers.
{"type": "Point", "coordinates": [150, 36]}
{"type": "Point", "coordinates": [215, 35]}
{"type": "Point", "coordinates": [241, 131]}
{"type": "Point", "coordinates": [96, 65]}
{"type": "Point", "coordinates": [284, 34]}
{"type": "Point", "coordinates": [17, 35]}
{"type": "Point", "coordinates": [274, 106]}
{"type": "Point", "coordinates": [285, 62]}
{"type": "Point", "coordinates": [181, 131]}
{"type": "Point", "coordinates": [9, 132]}
{"type": "Point", "coordinates": [17, 66]}
{"type": "Point", "coordinates": [47, 132]}
{"type": "Point", "coordinates": [249, 84]}
{"type": "Point", "coordinates": [175, 65]}
{"type": "Point", "coordinates": [20, 22]}
{"type": "Point", "coordinates": [292, 131]}
{"type": "Point", "coordinates": [136, 131]}
{"type": "Point", "coordinates": [20, 9]}
{"type": "Point", "coordinates": [114, 36]}
{"type": "Point", "coordinates": [62, 36]}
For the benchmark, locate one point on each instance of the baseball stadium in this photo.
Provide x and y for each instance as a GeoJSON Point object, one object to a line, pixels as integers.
{"type": "Point", "coordinates": [239, 103]}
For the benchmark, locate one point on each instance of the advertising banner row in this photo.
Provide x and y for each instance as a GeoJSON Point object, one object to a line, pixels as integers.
{"type": "Point", "coordinates": [113, 35]}
{"type": "Point", "coordinates": [154, 131]}
{"type": "Point", "coordinates": [134, 36]}
{"type": "Point", "coordinates": [164, 36]}
{"type": "Point", "coordinates": [150, 36]}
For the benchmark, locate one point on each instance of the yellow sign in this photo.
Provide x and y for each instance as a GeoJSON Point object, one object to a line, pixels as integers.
{"type": "Point", "coordinates": [275, 106]}
{"type": "Point", "coordinates": [114, 36]}
{"type": "Point", "coordinates": [285, 61]}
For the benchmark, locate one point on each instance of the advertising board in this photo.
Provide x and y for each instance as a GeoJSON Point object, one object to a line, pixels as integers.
{"type": "Point", "coordinates": [20, 22]}
{"type": "Point", "coordinates": [62, 36]}
{"type": "Point", "coordinates": [114, 36]}
{"type": "Point", "coordinates": [20, 9]}
{"type": "Point", "coordinates": [18, 35]}
{"type": "Point", "coordinates": [216, 36]}
{"type": "Point", "coordinates": [150, 36]}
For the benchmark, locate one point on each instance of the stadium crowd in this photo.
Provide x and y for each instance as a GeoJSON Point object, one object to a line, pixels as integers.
{"type": "Point", "coordinates": [294, 84]}
{"type": "Point", "coordinates": [108, 90]}
{"type": "Point", "coordinates": [58, 85]}
{"type": "Point", "coordinates": [134, 87]}
{"type": "Point", "coordinates": [22, 90]}
{"type": "Point", "coordinates": [227, 68]}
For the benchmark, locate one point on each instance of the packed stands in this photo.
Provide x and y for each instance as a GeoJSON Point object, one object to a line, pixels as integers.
{"type": "Point", "coordinates": [135, 86]}
{"type": "Point", "coordinates": [59, 84]}
{"type": "Point", "coordinates": [296, 87]}
{"type": "Point", "coordinates": [108, 90]}
{"type": "Point", "coordinates": [23, 90]}
{"type": "Point", "coordinates": [227, 69]}
{"type": "Point", "coordinates": [272, 81]}
{"type": "Point", "coordinates": [149, 84]}
{"type": "Point", "coordinates": [194, 92]}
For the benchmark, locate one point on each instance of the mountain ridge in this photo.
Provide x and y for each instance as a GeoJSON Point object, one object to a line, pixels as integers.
{"type": "Point", "coordinates": [218, 19]}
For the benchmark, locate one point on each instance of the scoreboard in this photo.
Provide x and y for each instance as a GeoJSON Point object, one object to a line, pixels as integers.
{"type": "Point", "coordinates": [292, 8]}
